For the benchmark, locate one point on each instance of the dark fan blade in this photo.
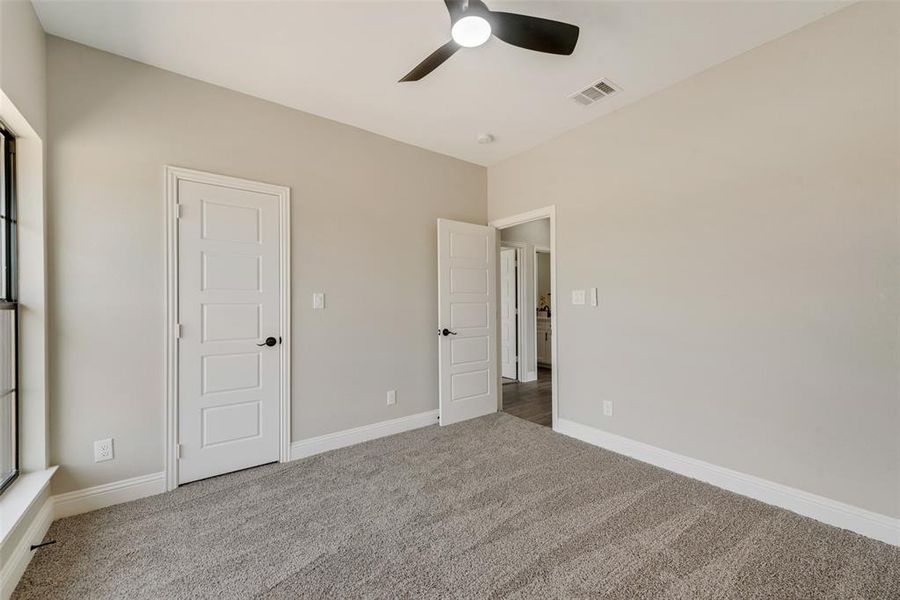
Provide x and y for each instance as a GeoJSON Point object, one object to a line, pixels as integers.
{"type": "Point", "coordinates": [434, 60]}
{"type": "Point", "coordinates": [534, 33]}
{"type": "Point", "coordinates": [455, 8]}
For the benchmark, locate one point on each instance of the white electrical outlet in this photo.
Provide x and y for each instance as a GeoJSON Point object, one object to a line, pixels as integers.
{"type": "Point", "coordinates": [318, 300]}
{"type": "Point", "coordinates": [103, 450]}
{"type": "Point", "coordinates": [392, 397]}
{"type": "Point", "coordinates": [577, 296]}
{"type": "Point", "coordinates": [607, 408]}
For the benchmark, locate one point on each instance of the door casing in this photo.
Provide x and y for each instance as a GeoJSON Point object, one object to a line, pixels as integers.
{"type": "Point", "coordinates": [173, 175]}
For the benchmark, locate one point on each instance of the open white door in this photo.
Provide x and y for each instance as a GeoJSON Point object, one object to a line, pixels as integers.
{"type": "Point", "coordinates": [467, 309]}
{"type": "Point", "coordinates": [508, 342]}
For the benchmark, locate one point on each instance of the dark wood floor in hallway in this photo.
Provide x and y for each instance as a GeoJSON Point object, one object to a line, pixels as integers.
{"type": "Point", "coordinates": [532, 401]}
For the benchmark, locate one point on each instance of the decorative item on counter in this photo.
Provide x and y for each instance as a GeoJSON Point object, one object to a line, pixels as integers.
{"type": "Point", "coordinates": [544, 305]}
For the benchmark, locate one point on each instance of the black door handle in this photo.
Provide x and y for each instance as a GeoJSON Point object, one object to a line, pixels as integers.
{"type": "Point", "coordinates": [270, 341]}
{"type": "Point", "coordinates": [445, 332]}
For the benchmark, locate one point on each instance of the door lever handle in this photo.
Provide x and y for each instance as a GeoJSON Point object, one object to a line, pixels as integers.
{"type": "Point", "coordinates": [445, 332]}
{"type": "Point", "coordinates": [270, 341]}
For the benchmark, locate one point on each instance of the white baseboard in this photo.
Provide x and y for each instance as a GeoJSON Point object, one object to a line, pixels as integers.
{"type": "Point", "coordinates": [862, 521]}
{"type": "Point", "coordinates": [349, 437]}
{"type": "Point", "coordinates": [21, 555]}
{"type": "Point", "coordinates": [101, 496]}
{"type": "Point", "coordinates": [117, 492]}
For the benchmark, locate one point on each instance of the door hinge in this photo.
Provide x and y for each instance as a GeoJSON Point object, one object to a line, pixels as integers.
{"type": "Point", "coordinates": [179, 331]}
{"type": "Point", "coordinates": [179, 450]}
{"type": "Point", "coordinates": [179, 211]}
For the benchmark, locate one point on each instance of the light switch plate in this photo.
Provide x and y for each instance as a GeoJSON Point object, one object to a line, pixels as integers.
{"type": "Point", "coordinates": [577, 296]}
{"type": "Point", "coordinates": [318, 300]}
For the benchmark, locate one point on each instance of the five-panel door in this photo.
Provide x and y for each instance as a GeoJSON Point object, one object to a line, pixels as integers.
{"type": "Point", "coordinates": [467, 307]}
{"type": "Point", "coordinates": [229, 304]}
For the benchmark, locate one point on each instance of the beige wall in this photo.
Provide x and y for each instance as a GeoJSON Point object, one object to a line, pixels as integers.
{"type": "Point", "coordinates": [364, 210]}
{"type": "Point", "coordinates": [22, 64]}
{"type": "Point", "coordinates": [536, 233]}
{"type": "Point", "coordinates": [742, 229]}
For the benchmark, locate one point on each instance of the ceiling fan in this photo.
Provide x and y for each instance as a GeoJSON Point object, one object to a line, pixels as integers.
{"type": "Point", "coordinates": [472, 24]}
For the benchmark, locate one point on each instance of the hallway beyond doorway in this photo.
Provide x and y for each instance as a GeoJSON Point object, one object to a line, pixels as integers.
{"type": "Point", "coordinates": [532, 401]}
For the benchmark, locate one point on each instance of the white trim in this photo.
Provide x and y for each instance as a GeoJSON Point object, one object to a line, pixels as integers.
{"type": "Point", "coordinates": [357, 435]}
{"type": "Point", "coordinates": [526, 217]}
{"type": "Point", "coordinates": [172, 176]}
{"type": "Point", "coordinates": [19, 498]}
{"type": "Point", "coordinates": [548, 212]}
{"type": "Point", "coordinates": [31, 237]}
{"type": "Point", "coordinates": [108, 494]}
{"type": "Point", "coordinates": [831, 512]}
{"type": "Point", "coordinates": [21, 555]}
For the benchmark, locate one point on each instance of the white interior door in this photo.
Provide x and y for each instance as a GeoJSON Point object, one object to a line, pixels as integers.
{"type": "Point", "coordinates": [467, 308]}
{"type": "Point", "coordinates": [229, 304]}
{"type": "Point", "coordinates": [508, 341]}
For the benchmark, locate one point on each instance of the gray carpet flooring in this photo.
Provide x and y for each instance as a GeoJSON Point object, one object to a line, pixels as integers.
{"type": "Point", "coordinates": [492, 508]}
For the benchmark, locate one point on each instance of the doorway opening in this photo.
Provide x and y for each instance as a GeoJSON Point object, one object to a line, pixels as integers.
{"type": "Point", "coordinates": [527, 316]}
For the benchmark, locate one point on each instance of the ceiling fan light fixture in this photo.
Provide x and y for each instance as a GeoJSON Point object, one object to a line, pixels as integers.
{"type": "Point", "coordinates": [471, 31]}
{"type": "Point", "coordinates": [474, 24]}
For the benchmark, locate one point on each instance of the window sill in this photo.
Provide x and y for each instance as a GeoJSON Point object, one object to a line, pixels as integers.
{"type": "Point", "coordinates": [19, 497]}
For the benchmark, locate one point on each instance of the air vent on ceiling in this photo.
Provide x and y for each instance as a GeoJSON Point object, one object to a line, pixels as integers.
{"type": "Point", "coordinates": [597, 91]}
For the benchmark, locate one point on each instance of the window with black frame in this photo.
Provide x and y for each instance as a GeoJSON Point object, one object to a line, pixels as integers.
{"type": "Point", "coordinates": [9, 438]}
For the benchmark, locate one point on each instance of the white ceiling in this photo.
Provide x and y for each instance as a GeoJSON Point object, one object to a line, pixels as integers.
{"type": "Point", "coordinates": [342, 60]}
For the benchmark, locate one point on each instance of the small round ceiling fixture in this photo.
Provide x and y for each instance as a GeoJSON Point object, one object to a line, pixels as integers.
{"type": "Point", "coordinates": [485, 138]}
{"type": "Point", "coordinates": [471, 31]}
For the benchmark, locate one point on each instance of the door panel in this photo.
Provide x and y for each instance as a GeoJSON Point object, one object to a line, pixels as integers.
{"type": "Point", "coordinates": [229, 302]}
{"type": "Point", "coordinates": [231, 322]}
{"type": "Point", "coordinates": [467, 305]}
{"type": "Point", "coordinates": [468, 350]}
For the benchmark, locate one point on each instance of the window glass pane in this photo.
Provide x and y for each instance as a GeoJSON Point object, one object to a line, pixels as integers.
{"type": "Point", "coordinates": [7, 442]}
{"type": "Point", "coordinates": [4, 210]}
{"type": "Point", "coordinates": [7, 394]}
{"type": "Point", "coordinates": [4, 263]}
{"type": "Point", "coordinates": [8, 316]}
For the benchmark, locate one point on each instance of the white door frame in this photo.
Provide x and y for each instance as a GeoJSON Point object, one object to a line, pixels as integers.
{"type": "Point", "coordinates": [520, 322]}
{"type": "Point", "coordinates": [172, 176]}
{"type": "Point", "coordinates": [548, 212]}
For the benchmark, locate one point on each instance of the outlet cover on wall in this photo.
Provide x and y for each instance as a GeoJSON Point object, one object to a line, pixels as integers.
{"type": "Point", "coordinates": [318, 300]}
{"type": "Point", "coordinates": [392, 397]}
{"type": "Point", "coordinates": [103, 450]}
{"type": "Point", "coordinates": [607, 408]}
{"type": "Point", "coordinates": [577, 296]}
